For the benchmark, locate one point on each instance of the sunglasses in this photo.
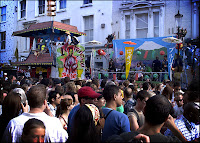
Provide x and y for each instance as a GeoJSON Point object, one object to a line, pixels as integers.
{"type": "Point", "coordinates": [179, 100]}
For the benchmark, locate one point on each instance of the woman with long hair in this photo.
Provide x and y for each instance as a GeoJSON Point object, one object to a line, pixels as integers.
{"type": "Point", "coordinates": [85, 121]}
{"type": "Point", "coordinates": [66, 105]}
{"type": "Point", "coordinates": [10, 109]}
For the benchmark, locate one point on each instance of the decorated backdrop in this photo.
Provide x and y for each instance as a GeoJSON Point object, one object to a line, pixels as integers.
{"type": "Point", "coordinates": [145, 51]}
{"type": "Point", "coordinates": [71, 61]}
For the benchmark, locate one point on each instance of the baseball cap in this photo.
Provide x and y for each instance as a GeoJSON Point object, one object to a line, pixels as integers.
{"type": "Point", "coordinates": [87, 91]}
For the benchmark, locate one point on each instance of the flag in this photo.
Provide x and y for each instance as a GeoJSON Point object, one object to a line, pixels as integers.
{"type": "Point", "coordinates": [128, 59]}
{"type": "Point", "coordinates": [16, 54]}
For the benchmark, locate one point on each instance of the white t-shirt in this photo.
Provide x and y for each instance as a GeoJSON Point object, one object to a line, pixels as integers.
{"type": "Point", "coordinates": [54, 131]}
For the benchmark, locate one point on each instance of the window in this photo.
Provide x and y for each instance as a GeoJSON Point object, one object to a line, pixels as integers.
{"type": "Point", "coordinates": [127, 32]}
{"type": "Point", "coordinates": [3, 13]}
{"type": "Point", "coordinates": [3, 40]}
{"type": "Point", "coordinates": [156, 24]}
{"type": "Point", "coordinates": [88, 26]}
{"type": "Point", "coordinates": [23, 8]}
{"type": "Point", "coordinates": [66, 21]}
{"type": "Point", "coordinates": [41, 6]}
{"type": "Point", "coordinates": [87, 1]}
{"type": "Point", "coordinates": [62, 4]}
{"type": "Point", "coordinates": [142, 25]}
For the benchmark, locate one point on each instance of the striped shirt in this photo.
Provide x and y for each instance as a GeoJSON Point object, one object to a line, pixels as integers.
{"type": "Point", "coordinates": [189, 130]}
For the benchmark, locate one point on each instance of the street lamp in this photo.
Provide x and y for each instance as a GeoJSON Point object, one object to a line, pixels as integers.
{"type": "Point", "coordinates": [178, 19]}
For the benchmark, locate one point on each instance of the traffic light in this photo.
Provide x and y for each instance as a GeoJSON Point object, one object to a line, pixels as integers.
{"type": "Point", "coordinates": [51, 7]}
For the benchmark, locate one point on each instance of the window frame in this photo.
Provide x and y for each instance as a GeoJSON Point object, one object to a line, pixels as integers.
{"type": "Point", "coordinates": [127, 30]}
{"type": "Point", "coordinates": [64, 5]}
{"type": "Point", "coordinates": [22, 10]}
{"type": "Point", "coordinates": [42, 6]}
{"type": "Point", "coordinates": [87, 1]}
{"type": "Point", "coordinates": [90, 29]}
{"type": "Point", "coordinates": [154, 23]}
{"type": "Point", "coordinates": [3, 42]}
{"type": "Point", "coordinates": [142, 28]}
{"type": "Point", "coordinates": [4, 14]}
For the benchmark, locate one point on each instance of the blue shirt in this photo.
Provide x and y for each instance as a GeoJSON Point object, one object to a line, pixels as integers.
{"type": "Point", "coordinates": [71, 118]}
{"type": "Point", "coordinates": [189, 130]}
{"type": "Point", "coordinates": [115, 123]}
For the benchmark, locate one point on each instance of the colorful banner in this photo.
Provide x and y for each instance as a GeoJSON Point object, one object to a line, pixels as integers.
{"type": "Point", "coordinates": [71, 61]}
{"type": "Point", "coordinates": [148, 48]}
{"type": "Point", "coordinates": [128, 59]}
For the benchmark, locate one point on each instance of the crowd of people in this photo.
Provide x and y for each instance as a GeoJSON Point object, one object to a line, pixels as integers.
{"type": "Point", "coordinates": [94, 111]}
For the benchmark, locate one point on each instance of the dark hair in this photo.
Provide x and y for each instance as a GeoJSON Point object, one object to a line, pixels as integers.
{"type": "Point", "coordinates": [36, 96]}
{"type": "Point", "coordinates": [66, 79]}
{"type": "Point", "coordinates": [126, 83]}
{"type": "Point", "coordinates": [109, 92]}
{"type": "Point", "coordinates": [142, 94]}
{"type": "Point", "coordinates": [167, 92]}
{"type": "Point", "coordinates": [145, 86]}
{"type": "Point", "coordinates": [84, 127]}
{"type": "Point", "coordinates": [25, 87]}
{"type": "Point", "coordinates": [157, 109]}
{"type": "Point", "coordinates": [32, 124]}
{"type": "Point", "coordinates": [45, 81]}
{"type": "Point", "coordinates": [60, 90]}
{"type": "Point", "coordinates": [64, 104]}
{"type": "Point", "coordinates": [103, 83]}
{"type": "Point", "coordinates": [11, 105]}
{"type": "Point", "coordinates": [128, 92]}
{"type": "Point", "coordinates": [153, 85]}
{"type": "Point", "coordinates": [52, 95]}
{"type": "Point", "coordinates": [177, 84]}
{"type": "Point", "coordinates": [96, 82]}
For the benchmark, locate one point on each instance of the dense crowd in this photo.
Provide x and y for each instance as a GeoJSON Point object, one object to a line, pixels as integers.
{"type": "Point", "coordinates": [92, 111]}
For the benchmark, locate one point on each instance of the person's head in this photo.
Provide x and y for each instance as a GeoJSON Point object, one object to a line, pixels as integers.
{"type": "Point", "coordinates": [191, 112]}
{"type": "Point", "coordinates": [54, 98]}
{"type": "Point", "coordinates": [96, 82]}
{"type": "Point", "coordinates": [128, 93]}
{"type": "Point", "coordinates": [157, 110]}
{"type": "Point", "coordinates": [45, 81]}
{"type": "Point", "coordinates": [110, 83]}
{"type": "Point", "coordinates": [37, 96]}
{"type": "Point", "coordinates": [4, 93]}
{"type": "Point", "coordinates": [56, 81]}
{"type": "Point", "coordinates": [22, 95]}
{"type": "Point", "coordinates": [112, 93]}
{"type": "Point", "coordinates": [126, 83]}
{"type": "Point", "coordinates": [25, 88]}
{"type": "Point", "coordinates": [157, 58]}
{"type": "Point", "coordinates": [141, 98]}
{"type": "Point", "coordinates": [33, 131]}
{"type": "Point", "coordinates": [193, 92]}
{"type": "Point", "coordinates": [11, 105]}
{"type": "Point", "coordinates": [70, 86]}
{"type": "Point", "coordinates": [84, 124]}
{"type": "Point", "coordinates": [94, 87]}
{"type": "Point", "coordinates": [86, 95]}
{"type": "Point", "coordinates": [101, 101]}
{"type": "Point", "coordinates": [177, 86]}
{"type": "Point", "coordinates": [66, 104]}
{"type": "Point", "coordinates": [60, 90]}
{"type": "Point", "coordinates": [153, 86]}
{"type": "Point", "coordinates": [103, 83]}
{"type": "Point", "coordinates": [165, 57]}
{"type": "Point", "coordinates": [178, 98]}
{"type": "Point", "coordinates": [66, 79]}
{"type": "Point", "coordinates": [167, 92]}
{"type": "Point", "coordinates": [145, 86]}
{"type": "Point", "coordinates": [159, 87]}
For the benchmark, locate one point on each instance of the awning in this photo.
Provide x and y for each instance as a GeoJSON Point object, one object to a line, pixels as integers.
{"type": "Point", "coordinates": [32, 60]}
{"type": "Point", "coordinates": [49, 27]}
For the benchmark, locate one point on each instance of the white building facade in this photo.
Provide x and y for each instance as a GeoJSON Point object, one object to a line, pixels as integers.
{"type": "Point", "coordinates": [128, 19]}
